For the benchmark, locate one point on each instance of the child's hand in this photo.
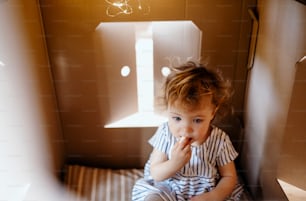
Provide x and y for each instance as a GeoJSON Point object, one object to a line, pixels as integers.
{"type": "Point", "coordinates": [181, 152]}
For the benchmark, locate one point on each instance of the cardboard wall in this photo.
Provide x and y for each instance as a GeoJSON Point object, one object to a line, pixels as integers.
{"type": "Point", "coordinates": [292, 163]}
{"type": "Point", "coordinates": [280, 44]}
{"type": "Point", "coordinates": [84, 96]}
{"type": "Point", "coordinates": [31, 142]}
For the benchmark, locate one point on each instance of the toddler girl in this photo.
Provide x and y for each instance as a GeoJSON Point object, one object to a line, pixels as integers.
{"type": "Point", "coordinates": [191, 158]}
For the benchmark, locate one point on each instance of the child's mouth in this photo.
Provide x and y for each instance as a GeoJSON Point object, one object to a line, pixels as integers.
{"type": "Point", "coordinates": [183, 138]}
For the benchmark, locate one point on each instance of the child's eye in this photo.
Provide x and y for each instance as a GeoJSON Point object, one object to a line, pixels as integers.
{"type": "Point", "coordinates": [176, 118]}
{"type": "Point", "coordinates": [198, 121]}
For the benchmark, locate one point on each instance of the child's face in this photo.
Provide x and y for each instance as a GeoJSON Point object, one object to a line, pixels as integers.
{"type": "Point", "coordinates": [192, 123]}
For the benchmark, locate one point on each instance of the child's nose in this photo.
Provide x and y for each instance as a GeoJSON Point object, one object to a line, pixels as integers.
{"type": "Point", "coordinates": [188, 130]}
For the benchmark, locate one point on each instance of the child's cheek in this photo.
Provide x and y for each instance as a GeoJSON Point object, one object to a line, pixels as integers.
{"type": "Point", "coordinates": [174, 131]}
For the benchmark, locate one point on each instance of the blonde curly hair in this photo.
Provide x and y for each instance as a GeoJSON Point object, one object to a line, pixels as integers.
{"type": "Point", "coordinates": [189, 82]}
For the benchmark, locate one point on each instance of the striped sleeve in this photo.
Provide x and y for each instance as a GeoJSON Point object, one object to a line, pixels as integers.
{"type": "Point", "coordinates": [161, 139]}
{"type": "Point", "coordinates": [227, 151]}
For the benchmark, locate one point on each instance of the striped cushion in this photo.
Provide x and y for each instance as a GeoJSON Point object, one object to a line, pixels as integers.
{"type": "Point", "coordinates": [101, 184]}
{"type": "Point", "coordinates": [96, 184]}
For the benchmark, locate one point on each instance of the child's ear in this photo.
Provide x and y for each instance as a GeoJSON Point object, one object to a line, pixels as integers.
{"type": "Point", "coordinates": [213, 115]}
{"type": "Point", "coordinates": [215, 111]}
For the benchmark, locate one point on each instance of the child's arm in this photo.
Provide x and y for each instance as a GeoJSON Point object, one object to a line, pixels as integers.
{"type": "Point", "coordinates": [163, 168]}
{"type": "Point", "coordinates": [225, 186]}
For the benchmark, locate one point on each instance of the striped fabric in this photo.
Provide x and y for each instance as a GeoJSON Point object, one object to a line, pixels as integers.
{"type": "Point", "coordinates": [95, 184]}
{"type": "Point", "coordinates": [200, 174]}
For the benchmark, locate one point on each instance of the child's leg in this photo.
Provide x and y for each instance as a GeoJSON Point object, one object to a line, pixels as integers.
{"type": "Point", "coordinates": [148, 190]}
{"type": "Point", "coordinates": [153, 197]}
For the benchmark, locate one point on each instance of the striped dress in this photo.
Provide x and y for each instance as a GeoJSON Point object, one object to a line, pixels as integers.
{"type": "Point", "coordinates": [198, 176]}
